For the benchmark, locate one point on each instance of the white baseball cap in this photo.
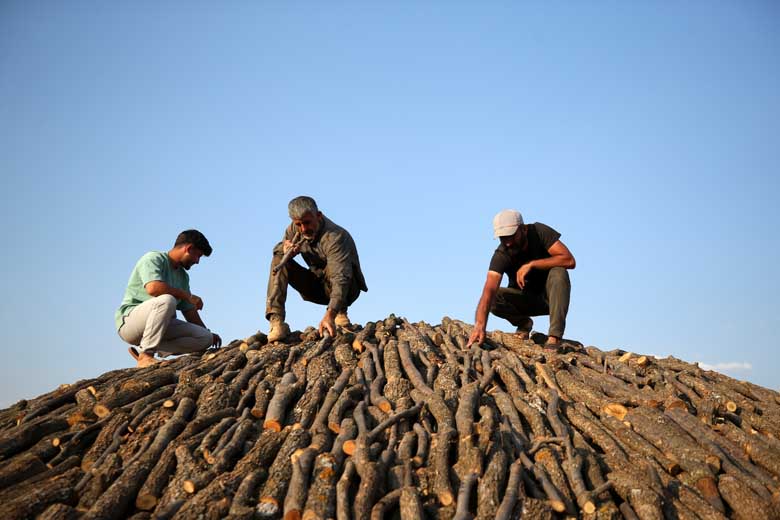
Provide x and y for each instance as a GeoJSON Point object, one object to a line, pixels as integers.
{"type": "Point", "coordinates": [506, 223]}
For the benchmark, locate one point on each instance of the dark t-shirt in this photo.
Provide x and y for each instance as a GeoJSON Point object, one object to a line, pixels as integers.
{"type": "Point", "coordinates": [507, 261]}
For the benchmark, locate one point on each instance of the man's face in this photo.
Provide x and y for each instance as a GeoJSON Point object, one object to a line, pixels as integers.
{"type": "Point", "coordinates": [513, 241]}
{"type": "Point", "coordinates": [191, 256]}
{"type": "Point", "coordinates": [308, 224]}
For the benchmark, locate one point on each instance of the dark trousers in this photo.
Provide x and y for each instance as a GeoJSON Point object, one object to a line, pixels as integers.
{"type": "Point", "coordinates": [516, 305]}
{"type": "Point", "coordinates": [313, 288]}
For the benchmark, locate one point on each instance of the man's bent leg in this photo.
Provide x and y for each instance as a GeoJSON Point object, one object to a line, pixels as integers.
{"type": "Point", "coordinates": [184, 338]}
{"type": "Point", "coordinates": [558, 295]}
{"type": "Point", "coordinates": [300, 278]}
{"type": "Point", "coordinates": [146, 325]}
{"type": "Point", "coordinates": [516, 306]}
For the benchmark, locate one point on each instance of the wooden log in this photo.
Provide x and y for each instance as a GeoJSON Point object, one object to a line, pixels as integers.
{"type": "Point", "coordinates": [371, 473]}
{"type": "Point", "coordinates": [298, 488]}
{"type": "Point", "coordinates": [118, 496]}
{"type": "Point", "coordinates": [59, 511]}
{"type": "Point", "coordinates": [462, 509]}
{"type": "Point", "coordinates": [285, 393]}
{"type": "Point", "coordinates": [20, 468]}
{"type": "Point", "coordinates": [279, 474]}
{"type": "Point", "coordinates": [241, 507]}
{"type": "Point", "coordinates": [343, 502]}
{"type": "Point", "coordinates": [491, 484]}
{"type": "Point", "coordinates": [21, 437]}
{"type": "Point", "coordinates": [36, 499]}
{"type": "Point", "coordinates": [410, 369]}
{"type": "Point", "coordinates": [744, 503]}
{"type": "Point", "coordinates": [321, 501]}
{"type": "Point", "coordinates": [134, 389]}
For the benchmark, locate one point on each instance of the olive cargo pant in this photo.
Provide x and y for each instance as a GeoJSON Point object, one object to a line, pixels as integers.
{"type": "Point", "coordinates": [516, 305]}
{"type": "Point", "coordinates": [313, 288]}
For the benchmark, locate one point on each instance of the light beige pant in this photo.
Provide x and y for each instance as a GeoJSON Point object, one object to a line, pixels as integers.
{"type": "Point", "coordinates": [152, 327]}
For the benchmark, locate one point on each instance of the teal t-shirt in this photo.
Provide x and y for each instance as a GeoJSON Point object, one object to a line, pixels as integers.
{"type": "Point", "coordinates": [153, 266]}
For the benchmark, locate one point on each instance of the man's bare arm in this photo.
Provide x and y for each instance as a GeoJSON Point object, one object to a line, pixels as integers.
{"type": "Point", "coordinates": [158, 288]}
{"type": "Point", "coordinates": [193, 316]}
{"type": "Point", "coordinates": [560, 256]}
{"type": "Point", "coordinates": [483, 308]}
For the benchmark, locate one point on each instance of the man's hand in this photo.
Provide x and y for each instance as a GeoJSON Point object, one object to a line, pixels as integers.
{"type": "Point", "coordinates": [328, 323]}
{"type": "Point", "coordinates": [477, 335]}
{"type": "Point", "coordinates": [522, 273]}
{"type": "Point", "coordinates": [216, 341]}
{"type": "Point", "coordinates": [196, 301]}
{"type": "Point", "coordinates": [287, 245]}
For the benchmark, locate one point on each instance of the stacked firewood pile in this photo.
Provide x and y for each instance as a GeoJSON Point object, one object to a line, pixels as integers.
{"type": "Point", "coordinates": [396, 420]}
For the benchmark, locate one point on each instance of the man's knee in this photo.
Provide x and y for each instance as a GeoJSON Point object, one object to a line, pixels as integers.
{"type": "Point", "coordinates": [204, 338]}
{"type": "Point", "coordinates": [166, 302]}
{"type": "Point", "coordinates": [558, 278]}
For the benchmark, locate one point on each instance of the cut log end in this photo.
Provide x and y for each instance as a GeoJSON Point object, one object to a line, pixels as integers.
{"type": "Point", "coordinates": [558, 506]}
{"type": "Point", "coordinates": [146, 502]}
{"type": "Point", "coordinates": [268, 506]}
{"type": "Point", "coordinates": [623, 359]}
{"type": "Point", "coordinates": [272, 424]}
{"type": "Point", "coordinates": [385, 406]}
{"type": "Point", "coordinates": [589, 507]}
{"type": "Point", "coordinates": [349, 447]}
{"type": "Point", "coordinates": [293, 515]}
{"type": "Point", "coordinates": [334, 427]}
{"type": "Point", "coordinates": [616, 410]}
{"type": "Point", "coordinates": [357, 346]}
{"type": "Point", "coordinates": [188, 486]}
{"type": "Point", "coordinates": [169, 403]}
{"type": "Point", "coordinates": [446, 498]}
{"type": "Point", "coordinates": [257, 413]}
{"type": "Point", "coordinates": [208, 457]}
{"type": "Point", "coordinates": [731, 406]}
{"type": "Point", "coordinates": [100, 410]}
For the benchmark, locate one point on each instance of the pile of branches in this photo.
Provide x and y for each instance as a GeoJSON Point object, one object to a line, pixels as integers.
{"type": "Point", "coordinates": [396, 420]}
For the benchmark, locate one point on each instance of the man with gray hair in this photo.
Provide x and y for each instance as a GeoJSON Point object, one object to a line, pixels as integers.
{"type": "Point", "coordinates": [333, 277]}
{"type": "Point", "coordinates": [536, 262]}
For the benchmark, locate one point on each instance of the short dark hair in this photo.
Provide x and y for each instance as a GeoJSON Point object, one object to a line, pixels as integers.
{"type": "Point", "coordinates": [196, 238]}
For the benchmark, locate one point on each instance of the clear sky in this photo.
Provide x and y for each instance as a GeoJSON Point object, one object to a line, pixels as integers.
{"type": "Point", "coordinates": [645, 132]}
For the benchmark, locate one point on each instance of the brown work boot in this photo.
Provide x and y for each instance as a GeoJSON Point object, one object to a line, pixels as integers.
{"type": "Point", "coordinates": [342, 320]}
{"type": "Point", "coordinates": [279, 329]}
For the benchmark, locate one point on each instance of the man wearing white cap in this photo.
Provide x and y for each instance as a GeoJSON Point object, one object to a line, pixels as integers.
{"type": "Point", "coordinates": [536, 262]}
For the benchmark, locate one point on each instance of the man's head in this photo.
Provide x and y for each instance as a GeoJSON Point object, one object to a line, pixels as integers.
{"type": "Point", "coordinates": [190, 245]}
{"type": "Point", "coordinates": [508, 227]}
{"type": "Point", "coordinates": [306, 218]}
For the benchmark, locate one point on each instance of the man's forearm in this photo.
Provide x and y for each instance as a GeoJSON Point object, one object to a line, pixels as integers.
{"type": "Point", "coordinates": [159, 288]}
{"type": "Point", "coordinates": [192, 316]}
{"type": "Point", "coordinates": [546, 264]}
{"type": "Point", "coordinates": [483, 308]}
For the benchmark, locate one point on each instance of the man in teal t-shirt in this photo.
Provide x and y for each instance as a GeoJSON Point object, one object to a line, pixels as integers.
{"type": "Point", "coordinates": [158, 286]}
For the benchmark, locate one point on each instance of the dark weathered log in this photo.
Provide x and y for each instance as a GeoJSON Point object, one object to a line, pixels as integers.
{"type": "Point", "coordinates": [463, 509]}
{"type": "Point", "coordinates": [298, 488]}
{"type": "Point", "coordinates": [410, 369]}
{"type": "Point", "coordinates": [37, 498]}
{"type": "Point", "coordinates": [59, 512]}
{"type": "Point", "coordinates": [20, 468]}
{"type": "Point", "coordinates": [491, 484]}
{"type": "Point", "coordinates": [17, 439]}
{"type": "Point", "coordinates": [279, 474]}
{"type": "Point", "coordinates": [287, 390]}
{"type": "Point", "coordinates": [241, 507]}
{"type": "Point", "coordinates": [117, 498]}
{"type": "Point", "coordinates": [744, 503]}
{"type": "Point", "coordinates": [343, 502]}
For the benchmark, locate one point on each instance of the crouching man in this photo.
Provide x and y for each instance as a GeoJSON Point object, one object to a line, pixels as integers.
{"type": "Point", "coordinates": [333, 277]}
{"type": "Point", "coordinates": [537, 263]}
{"type": "Point", "coordinates": [158, 286]}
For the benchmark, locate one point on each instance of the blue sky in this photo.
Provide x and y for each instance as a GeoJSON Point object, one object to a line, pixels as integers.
{"type": "Point", "coordinates": [646, 133]}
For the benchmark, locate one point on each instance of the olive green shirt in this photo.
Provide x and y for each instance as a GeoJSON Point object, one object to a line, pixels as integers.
{"type": "Point", "coordinates": [331, 254]}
